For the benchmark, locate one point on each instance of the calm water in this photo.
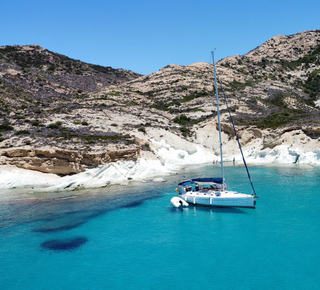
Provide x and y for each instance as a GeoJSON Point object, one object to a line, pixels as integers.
{"type": "Point", "coordinates": [137, 240]}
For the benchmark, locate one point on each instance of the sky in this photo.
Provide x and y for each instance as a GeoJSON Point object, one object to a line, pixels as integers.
{"type": "Point", "coordinates": [147, 35]}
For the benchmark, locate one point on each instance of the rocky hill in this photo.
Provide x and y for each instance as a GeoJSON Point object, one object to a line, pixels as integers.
{"type": "Point", "coordinates": [34, 77]}
{"type": "Point", "coordinates": [62, 115]}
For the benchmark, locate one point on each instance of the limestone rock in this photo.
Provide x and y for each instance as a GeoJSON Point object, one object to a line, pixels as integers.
{"type": "Point", "coordinates": [312, 132]}
{"type": "Point", "coordinates": [246, 137]}
{"type": "Point", "coordinates": [59, 161]}
{"type": "Point", "coordinates": [271, 141]}
{"type": "Point", "coordinates": [227, 128]}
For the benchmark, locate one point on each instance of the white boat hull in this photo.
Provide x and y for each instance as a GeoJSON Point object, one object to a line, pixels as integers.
{"type": "Point", "coordinates": [179, 202]}
{"type": "Point", "coordinates": [220, 199]}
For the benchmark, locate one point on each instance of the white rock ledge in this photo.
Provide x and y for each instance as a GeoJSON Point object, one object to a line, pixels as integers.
{"type": "Point", "coordinates": [169, 160]}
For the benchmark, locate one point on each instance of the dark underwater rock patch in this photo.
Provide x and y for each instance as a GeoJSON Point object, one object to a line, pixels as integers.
{"type": "Point", "coordinates": [133, 204]}
{"type": "Point", "coordinates": [67, 221]}
{"type": "Point", "coordinates": [58, 228]}
{"type": "Point", "coordinates": [61, 245]}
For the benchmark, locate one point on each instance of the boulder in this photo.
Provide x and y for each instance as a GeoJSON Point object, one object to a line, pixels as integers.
{"type": "Point", "coordinates": [227, 128]}
{"type": "Point", "coordinates": [271, 140]}
{"type": "Point", "coordinates": [249, 134]}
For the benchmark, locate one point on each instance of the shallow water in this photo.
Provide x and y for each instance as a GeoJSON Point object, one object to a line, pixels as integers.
{"type": "Point", "coordinates": [132, 238]}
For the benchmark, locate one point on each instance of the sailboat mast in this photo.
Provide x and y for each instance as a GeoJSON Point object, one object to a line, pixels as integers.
{"type": "Point", "coordinates": [219, 123]}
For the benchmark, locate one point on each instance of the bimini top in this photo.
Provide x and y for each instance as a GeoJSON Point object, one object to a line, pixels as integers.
{"type": "Point", "coordinates": [202, 181]}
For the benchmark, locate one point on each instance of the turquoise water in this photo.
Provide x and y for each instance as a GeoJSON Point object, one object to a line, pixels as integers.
{"type": "Point", "coordinates": [136, 240]}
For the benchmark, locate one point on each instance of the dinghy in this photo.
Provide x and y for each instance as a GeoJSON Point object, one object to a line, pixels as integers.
{"type": "Point", "coordinates": [179, 202]}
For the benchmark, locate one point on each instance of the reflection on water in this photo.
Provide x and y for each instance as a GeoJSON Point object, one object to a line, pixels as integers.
{"type": "Point", "coordinates": [225, 210]}
{"type": "Point", "coordinates": [194, 208]}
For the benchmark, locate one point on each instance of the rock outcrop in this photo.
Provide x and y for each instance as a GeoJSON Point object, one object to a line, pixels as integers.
{"type": "Point", "coordinates": [63, 162]}
{"type": "Point", "coordinates": [271, 140]}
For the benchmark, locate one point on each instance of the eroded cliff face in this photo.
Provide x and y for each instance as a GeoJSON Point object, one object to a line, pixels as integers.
{"type": "Point", "coordinates": [253, 140]}
{"type": "Point", "coordinates": [60, 161]}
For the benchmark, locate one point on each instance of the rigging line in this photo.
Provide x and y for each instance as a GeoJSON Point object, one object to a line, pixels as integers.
{"type": "Point", "coordinates": [112, 164]}
{"type": "Point", "coordinates": [266, 204]}
{"type": "Point", "coordinates": [235, 131]}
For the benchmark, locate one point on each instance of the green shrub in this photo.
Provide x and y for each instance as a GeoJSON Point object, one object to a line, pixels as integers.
{"type": "Point", "coordinates": [35, 123]}
{"type": "Point", "coordinates": [185, 131]}
{"type": "Point", "coordinates": [312, 86]}
{"type": "Point", "coordinates": [146, 147]}
{"type": "Point", "coordinates": [114, 93]}
{"type": "Point", "coordinates": [142, 129]}
{"type": "Point", "coordinates": [22, 132]}
{"type": "Point", "coordinates": [182, 120]}
{"type": "Point", "coordinates": [5, 127]}
{"type": "Point", "coordinates": [278, 100]}
{"type": "Point", "coordinates": [238, 86]}
{"type": "Point", "coordinates": [194, 96]}
{"type": "Point", "coordinates": [55, 125]}
{"type": "Point", "coordinates": [130, 103]}
{"type": "Point", "coordinates": [312, 57]}
{"type": "Point", "coordinates": [166, 106]}
{"type": "Point", "coordinates": [274, 120]}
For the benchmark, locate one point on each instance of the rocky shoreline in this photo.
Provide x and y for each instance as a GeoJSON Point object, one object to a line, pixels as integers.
{"type": "Point", "coordinates": [58, 170]}
{"type": "Point", "coordinates": [164, 146]}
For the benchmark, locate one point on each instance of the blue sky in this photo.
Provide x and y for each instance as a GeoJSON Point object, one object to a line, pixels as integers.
{"type": "Point", "coordinates": [146, 35]}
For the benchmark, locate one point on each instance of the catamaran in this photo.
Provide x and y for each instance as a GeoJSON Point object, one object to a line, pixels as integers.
{"type": "Point", "coordinates": [210, 191]}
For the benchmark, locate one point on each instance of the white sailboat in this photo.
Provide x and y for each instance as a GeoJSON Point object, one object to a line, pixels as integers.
{"type": "Point", "coordinates": [213, 191]}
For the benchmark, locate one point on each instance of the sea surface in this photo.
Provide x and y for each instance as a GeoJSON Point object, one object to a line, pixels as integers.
{"type": "Point", "coordinates": [131, 237]}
